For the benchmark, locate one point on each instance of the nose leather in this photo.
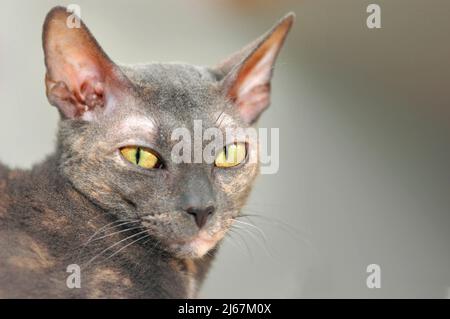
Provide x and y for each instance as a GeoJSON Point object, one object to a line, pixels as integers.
{"type": "Point", "coordinates": [201, 215]}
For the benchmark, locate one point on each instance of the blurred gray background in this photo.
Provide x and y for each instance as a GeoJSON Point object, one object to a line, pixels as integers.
{"type": "Point", "coordinates": [364, 118]}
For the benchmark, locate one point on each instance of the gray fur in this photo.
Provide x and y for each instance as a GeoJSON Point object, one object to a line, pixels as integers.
{"type": "Point", "coordinates": [48, 214]}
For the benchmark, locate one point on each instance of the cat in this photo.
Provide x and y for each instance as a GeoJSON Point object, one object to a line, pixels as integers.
{"type": "Point", "coordinates": [110, 202]}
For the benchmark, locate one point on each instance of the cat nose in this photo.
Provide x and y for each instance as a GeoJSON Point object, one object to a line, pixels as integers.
{"type": "Point", "coordinates": [201, 215]}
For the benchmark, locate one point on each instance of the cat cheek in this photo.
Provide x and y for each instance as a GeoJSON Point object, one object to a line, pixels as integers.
{"type": "Point", "coordinates": [237, 180]}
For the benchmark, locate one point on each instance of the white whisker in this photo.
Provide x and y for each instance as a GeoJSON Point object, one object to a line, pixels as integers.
{"type": "Point", "coordinates": [114, 245]}
{"type": "Point", "coordinates": [117, 232]}
{"type": "Point", "coordinates": [129, 244]}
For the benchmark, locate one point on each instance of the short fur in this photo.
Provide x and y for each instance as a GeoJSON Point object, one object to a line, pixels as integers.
{"type": "Point", "coordinates": [49, 214]}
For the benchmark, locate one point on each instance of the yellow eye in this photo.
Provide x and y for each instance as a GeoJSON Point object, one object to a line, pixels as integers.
{"type": "Point", "coordinates": [140, 156]}
{"type": "Point", "coordinates": [231, 155]}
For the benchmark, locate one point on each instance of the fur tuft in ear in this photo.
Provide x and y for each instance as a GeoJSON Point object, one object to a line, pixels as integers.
{"type": "Point", "coordinates": [247, 73]}
{"type": "Point", "coordinates": [80, 77]}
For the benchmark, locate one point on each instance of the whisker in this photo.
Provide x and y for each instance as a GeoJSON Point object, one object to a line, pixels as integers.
{"type": "Point", "coordinates": [114, 245]}
{"type": "Point", "coordinates": [264, 244]}
{"type": "Point", "coordinates": [117, 232]}
{"type": "Point", "coordinates": [104, 228]}
{"type": "Point", "coordinates": [107, 226]}
{"type": "Point", "coordinates": [297, 233]}
{"type": "Point", "coordinates": [228, 236]}
{"type": "Point", "coordinates": [254, 227]}
{"type": "Point", "coordinates": [110, 226]}
{"type": "Point", "coordinates": [250, 254]}
{"type": "Point", "coordinates": [131, 221]}
{"type": "Point", "coordinates": [220, 115]}
{"type": "Point", "coordinates": [155, 245]}
{"type": "Point", "coordinates": [272, 220]}
{"type": "Point", "coordinates": [127, 245]}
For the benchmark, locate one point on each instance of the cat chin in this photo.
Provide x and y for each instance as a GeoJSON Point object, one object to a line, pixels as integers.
{"type": "Point", "coordinates": [196, 247]}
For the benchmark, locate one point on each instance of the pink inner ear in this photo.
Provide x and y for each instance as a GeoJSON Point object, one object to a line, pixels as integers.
{"type": "Point", "coordinates": [248, 84]}
{"type": "Point", "coordinates": [79, 74]}
{"type": "Point", "coordinates": [254, 102]}
{"type": "Point", "coordinates": [251, 90]}
{"type": "Point", "coordinates": [94, 95]}
{"type": "Point", "coordinates": [82, 79]}
{"type": "Point", "coordinates": [84, 94]}
{"type": "Point", "coordinates": [91, 86]}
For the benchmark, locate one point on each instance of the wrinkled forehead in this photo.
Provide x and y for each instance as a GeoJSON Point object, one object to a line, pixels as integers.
{"type": "Point", "coordinates": [170, 96]}
{"type": "Point", "coordinates": [164, 122]}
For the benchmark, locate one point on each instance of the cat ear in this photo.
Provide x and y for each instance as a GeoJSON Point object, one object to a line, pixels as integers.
{"type": "Point", "coordinates": [247, 73]}
{"type": "Point", "coordinates": [80, 78]}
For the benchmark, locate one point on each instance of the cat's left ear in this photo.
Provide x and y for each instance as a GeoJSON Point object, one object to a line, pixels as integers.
{"type": "Point", "coordinates": [81, 80]}
{"type": "Point", "coordinates": [247, 73]}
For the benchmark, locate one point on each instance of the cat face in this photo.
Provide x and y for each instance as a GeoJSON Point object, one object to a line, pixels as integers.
{"type": "Point", "coordinates": [116, 136]}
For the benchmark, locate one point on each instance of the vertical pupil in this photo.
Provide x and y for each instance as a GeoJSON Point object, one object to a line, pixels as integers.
{"type": "Point", "coordinates": [138, 155]}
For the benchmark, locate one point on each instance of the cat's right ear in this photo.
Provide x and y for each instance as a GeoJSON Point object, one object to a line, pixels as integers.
{"type": "Point", "coordinates": [81, 80]}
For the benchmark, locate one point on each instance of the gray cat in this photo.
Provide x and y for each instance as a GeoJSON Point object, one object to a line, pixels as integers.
{"type": "Point", "coordinates": [111, 204]}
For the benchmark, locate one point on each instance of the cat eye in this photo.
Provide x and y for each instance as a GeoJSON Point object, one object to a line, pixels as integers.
{"type": "Point", "coordinates": [231, 155]}
{"type": "Point", "coordinates": [141, 156]}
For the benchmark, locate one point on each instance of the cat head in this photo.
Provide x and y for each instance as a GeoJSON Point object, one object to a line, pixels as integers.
{"type": "Point", "coordinates": [117, 128]}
